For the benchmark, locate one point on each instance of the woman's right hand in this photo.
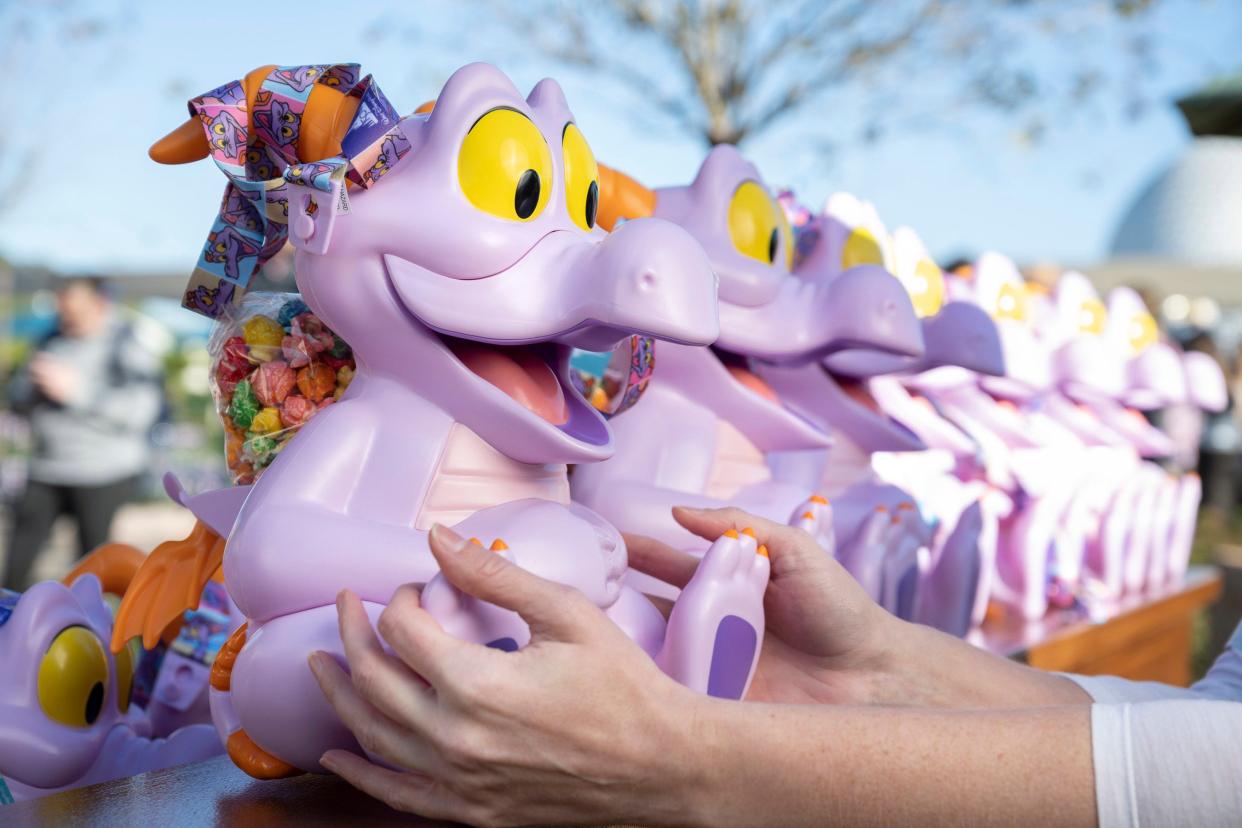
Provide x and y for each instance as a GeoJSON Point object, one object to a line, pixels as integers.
{"type": "Point", "coordinates": [826, 640]}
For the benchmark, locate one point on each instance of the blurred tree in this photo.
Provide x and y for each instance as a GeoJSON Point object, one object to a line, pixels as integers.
{"type": "Point", "coordinates": [728, 70]}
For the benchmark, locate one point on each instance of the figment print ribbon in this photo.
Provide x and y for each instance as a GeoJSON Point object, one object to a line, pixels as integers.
{"type": "Point", "coordinates": [255, 144]}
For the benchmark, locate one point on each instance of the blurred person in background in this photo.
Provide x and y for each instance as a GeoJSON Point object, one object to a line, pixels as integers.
{"type": "Point", "coordinates": [92, 391]}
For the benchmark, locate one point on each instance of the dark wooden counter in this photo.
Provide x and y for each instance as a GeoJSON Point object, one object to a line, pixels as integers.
{"type": "Point", "coordinates": [212, 793]}
{"type": "Point", "coordinates": [1144, 638]}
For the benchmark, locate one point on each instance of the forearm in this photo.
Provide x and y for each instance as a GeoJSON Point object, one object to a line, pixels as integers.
{"type": "Point", "coordinates": [923, 667]}
{"type": "Point", "coordinates": [929, 668]}
{"type": "Point", "coordinates": [748, 764]}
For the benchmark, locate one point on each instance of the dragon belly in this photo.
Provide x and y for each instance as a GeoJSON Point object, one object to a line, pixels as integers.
{"type": "Point", "coordinates": [736, 465]}
{"type": "Point", "coordinates": [472, 475]}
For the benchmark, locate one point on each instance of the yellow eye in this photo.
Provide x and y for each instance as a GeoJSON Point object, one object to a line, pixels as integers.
{"type": "Point", "coordinates": [73, 678]}
{"type": "Point", "coordinates": [926, 288]}
{"type": "Point", "coordinates": [581, 178]}
{"type": "Point", "coordinates": [861, 248]}
{"type": "Point", "coordinates": [1011, 303]}
{"type": "Point", "coordinates": [125, 661]}
{"type": "Point", "coordinates": [505, 167]}
{"type": "Point", "coordinates": [757, 224]}
{"type": "Point", "coordinates": [1142, 332]}
{"type": "Point", "coordinates": [1092, 316]}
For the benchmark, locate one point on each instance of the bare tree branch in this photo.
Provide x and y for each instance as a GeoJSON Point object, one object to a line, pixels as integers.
{"type": "Point", "coordinates": [727, 70]}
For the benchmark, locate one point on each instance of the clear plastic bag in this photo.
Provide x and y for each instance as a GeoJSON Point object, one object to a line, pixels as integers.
{"type": "Point", "coordinates": [274, 365]}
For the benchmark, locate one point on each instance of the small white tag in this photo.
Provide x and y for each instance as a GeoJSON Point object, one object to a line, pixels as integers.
{"type": "Point", "coordinates": [342, 201]}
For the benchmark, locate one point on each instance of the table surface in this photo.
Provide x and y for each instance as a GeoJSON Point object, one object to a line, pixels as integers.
{"type": "Point", "coordinates": [216, 793]}
{"type": "Point", "coordinates": [211, 793]}
{"type": "Point", "coordinates": [1013, 637]}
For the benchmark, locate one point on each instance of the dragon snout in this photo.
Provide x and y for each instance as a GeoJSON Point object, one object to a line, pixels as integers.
{"type": "Point", "coordinates": [963, 334]}
{"type": "Point", "coordinates": [657, 281]}
{"type": "Point", "coordinates": [871, 309]}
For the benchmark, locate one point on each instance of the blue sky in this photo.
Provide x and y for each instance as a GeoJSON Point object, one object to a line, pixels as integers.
{"type": "Point", "coordinates": [959, 175]}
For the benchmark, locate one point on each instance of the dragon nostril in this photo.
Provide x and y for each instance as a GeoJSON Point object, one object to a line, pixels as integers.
{"type": "Point", "coordinates": [890, 308]}
{"type": "Point", "coordinates": [646, 280]}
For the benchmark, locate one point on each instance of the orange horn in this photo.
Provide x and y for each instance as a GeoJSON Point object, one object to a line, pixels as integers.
{"type": "Point", "coordinates": [621, 197]}
{"type": "Point", "coordinates": [327, 116]}
{"type": "Point", "coordinates": [115, 564]}
{"type": "Point", "coordinates": [184, 144]}
{"type": "Point", "coordinates": [426, 107]}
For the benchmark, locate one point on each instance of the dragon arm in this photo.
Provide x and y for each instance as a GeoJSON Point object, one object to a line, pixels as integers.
{"type": "Point", "coordinates": [288, 557]}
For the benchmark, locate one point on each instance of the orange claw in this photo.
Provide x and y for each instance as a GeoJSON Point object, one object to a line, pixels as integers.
{"type": "Point", "coordinates": [476, 541]}
{"type": "Point", "coordinates": [822, 501]}
{"type": "Point", "coordinates": [499, 546]}
{"type": "Point", "coordinates": [731, 533]}
{"type": "Point", "coordinates": [169, 582]}
{"type": "Point", "coordinates": [762, 550]}
{"type": "Point", "coordinates": [808, 516]}
{"type": "Point", "coordinates": [748, 531]}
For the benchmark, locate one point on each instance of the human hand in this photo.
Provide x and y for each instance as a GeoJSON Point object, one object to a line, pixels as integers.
{"type": "Point", "coordinates": [56, 379]}
{"type": "Point", "coordinates": [579, 725]}
{"type": "Point", "coordinates": [826, 640]}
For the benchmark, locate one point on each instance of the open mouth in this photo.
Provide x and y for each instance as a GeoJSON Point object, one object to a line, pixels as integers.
{"type": "Point", "coordinates": [527, 374]}
{"type": "Point", "coordinates": [743, 376]}
{"type": "Point", "coordinates": [858, 391]}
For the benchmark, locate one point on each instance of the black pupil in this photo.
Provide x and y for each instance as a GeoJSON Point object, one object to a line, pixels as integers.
{"type": "Point", "coordinates": [592, 205]}
{"type": "Point", "coordinates": [94, 703]}
{"type": "Point", "coordinates": [527, 194]}
{"type": "Point", "coordinates": [773, 240]}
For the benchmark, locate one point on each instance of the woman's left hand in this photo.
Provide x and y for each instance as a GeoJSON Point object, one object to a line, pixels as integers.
{"type": "Point", "coordinates": [578, 725]}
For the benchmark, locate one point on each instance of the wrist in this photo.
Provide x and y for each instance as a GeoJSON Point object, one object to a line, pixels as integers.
{"type": "Point", "coordinates": [677, 755]}
{"type": "Point", "coordinates": [882, 667]}
{"type": "Point", "coordinates": [896, 673]}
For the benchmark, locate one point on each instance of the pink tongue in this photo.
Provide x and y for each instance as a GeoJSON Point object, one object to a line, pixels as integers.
{"type": "Point", "coordinates": [857, 391]}
{"type": "Point", "coordinates": [523, 376]}
{"type": "Point", "coordinates": [753, 382]}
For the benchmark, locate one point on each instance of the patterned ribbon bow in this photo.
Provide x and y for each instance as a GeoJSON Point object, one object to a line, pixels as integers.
{"type": "Point", "coordinates": [256, 148]}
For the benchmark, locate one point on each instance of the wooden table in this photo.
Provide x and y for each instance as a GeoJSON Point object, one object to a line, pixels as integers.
{"type": "Point", "coordinates": [1147, 638]}
{"type": "Point", "coordinates": [211, 793]}
{"type": "Point", "coordinates": [1144, 638]}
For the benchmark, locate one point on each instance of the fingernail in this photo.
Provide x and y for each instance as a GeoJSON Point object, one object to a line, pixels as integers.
{"type": "Point", "coordinates": [315, 660]}
{"type": "Point", "coordinates": [693, 509]}
{"type": "Point", "coordinates": [328, 761]}
{"type": "Point", "coordinates": [447, 538]}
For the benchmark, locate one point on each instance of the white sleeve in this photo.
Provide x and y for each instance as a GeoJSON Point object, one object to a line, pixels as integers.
{"type": "Point", "coordinates": [1114, 690]}
{"type": "Point", "coordinates": [1223, 682]}
{"type": "Point", "coordinates": [1173, 762]}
